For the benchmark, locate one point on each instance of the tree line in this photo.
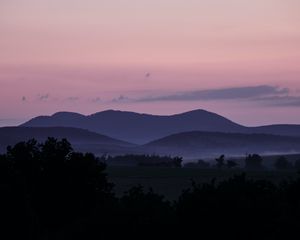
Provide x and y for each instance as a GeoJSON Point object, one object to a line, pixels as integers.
{"type": "Point", "coordinates": [48, 191]}
{"type": "Point", "coordinates": [143, 160]}
{"type": "Point", "coordinates": [251, 162]}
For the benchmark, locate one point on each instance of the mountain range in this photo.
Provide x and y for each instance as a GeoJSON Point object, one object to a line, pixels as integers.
{"type": "Point", "coordinates": [143, 128]}
{"type": "Point", "coordinates": [193, 134]}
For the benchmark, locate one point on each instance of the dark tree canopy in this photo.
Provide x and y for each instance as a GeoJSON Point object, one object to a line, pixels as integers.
{"type": "Point", "coordinates": [145, 160]}
{"type": "Point", "coordinates": [48, 191]}
{"type": "Point", "coordinates": [56, 184]}
{"type": "Point", "coordinates": [297, 164]}
{"type": "Point", "coordinates": [253, 162]}
{"type": "Point", "coordinates": [231, 164]}
{"type": "Point", "coordinates": [282, 163]}
{"type": "Point", "coordinates": [220, 161]}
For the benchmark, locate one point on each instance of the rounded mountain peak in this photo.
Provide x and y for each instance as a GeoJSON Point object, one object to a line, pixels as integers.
{"type": "Point", "coordinates": [67, 115]}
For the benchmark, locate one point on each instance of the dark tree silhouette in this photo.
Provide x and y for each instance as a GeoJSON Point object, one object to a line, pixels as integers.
{"type": "Point", "coordinates": [220, 161]}
{"type": "Point", "coordinates": [203, 164]}
{"type": "Point", "coordinates": [48, 191]}
{"type": "Point", "coordinates": [177, 161]}
{"type": "Point", "coordinates": [231, 164]}
{"type": "Point", "coordinates": [145, 207]}
{"type": "Point", "coordinates": [297, 164]}
{"type": "Point", "coordinates": [200, 164]}
{"type": "Point", "coordinates": [237, 203]}
{"type": "Point", "coordinates": [282, 163]}
{"type": "Point", "coordinates": [145, 160]}
{"type": "Point", "coordinates": [253, 162]}
{"type": "Point", "coordinates": [55, 185]}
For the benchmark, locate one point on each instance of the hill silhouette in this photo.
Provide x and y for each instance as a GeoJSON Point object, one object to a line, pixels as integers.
{"type": "Point", "coordinates": [211, 144]}
{"type": "Point", "coordinates": [82, 140]}
{"type": "Point", "coordinates": [142, 128]}
{"type": "Point", "coordinates": [187, 144]}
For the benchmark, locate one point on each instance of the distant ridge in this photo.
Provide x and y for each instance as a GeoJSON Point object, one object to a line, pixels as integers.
{"type": "Point", "coordinates": [193, 144]}
{"type": "Point", "coordinates": [142, 128]}
{"type": "Point", "coordinates": [82, 140]}
{"type": "Point", "coordinates": [208, 144]}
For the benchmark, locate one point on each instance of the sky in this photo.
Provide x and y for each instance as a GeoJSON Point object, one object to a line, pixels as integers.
{"type": "Point", "coordinates": [238, 58]}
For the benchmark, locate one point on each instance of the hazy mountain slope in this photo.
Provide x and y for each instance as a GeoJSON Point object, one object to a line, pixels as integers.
{"type": "Point", "coordinates": [82, 140]}
{"type": "Point", "coordinates": [207, 144]}
{"type": "Point", "coordinates": [280, 129]}
{"type": "Point", "coordinates": [142, 128]}
{"type": "Point", "coordinates": [192, 144]}
{"type": "Point", "coordinates": [139, 128]}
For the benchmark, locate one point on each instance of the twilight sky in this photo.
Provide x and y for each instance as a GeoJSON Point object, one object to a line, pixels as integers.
{"type": "Point", "coordinates": [238, 58]}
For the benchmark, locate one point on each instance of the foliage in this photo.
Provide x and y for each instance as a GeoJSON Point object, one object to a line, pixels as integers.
{"type": "Point", "coordinates": [282, 163]}
{"type": "Point", "coordinates": [200, 164]}
{"type": "Point", "coordinates": [145, 160]}
{"type": "Point", "coordinates": [55, 184]}
{"type": "Point", "coordinates": [297, 164]}
{"type": "Point", "coordinates": [145, 207]}
{"type": "Point", "coordinates": [231, 164]}
{"type": "Point", "coordinates": [253, 162]}
{"type": "Point", "coordinates": [220, 161]}
{"type": "Point", "coordinates": [48, 191]}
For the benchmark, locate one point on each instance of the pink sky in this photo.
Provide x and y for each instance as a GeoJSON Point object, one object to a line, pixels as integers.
{"type": "Point", "coordinates": [82, 55]}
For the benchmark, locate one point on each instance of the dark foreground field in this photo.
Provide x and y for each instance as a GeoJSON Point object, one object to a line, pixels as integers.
{"type": "Point", "coordinates": [170, 182]}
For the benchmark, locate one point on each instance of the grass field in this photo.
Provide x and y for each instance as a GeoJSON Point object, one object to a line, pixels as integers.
{"type": "Point", "coordinates": [171, 181]}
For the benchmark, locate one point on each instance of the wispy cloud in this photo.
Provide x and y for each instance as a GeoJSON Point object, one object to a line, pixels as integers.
{"type": "Point", "coordinates": [122, 98]}
{"type": "Point", "coordinates": [96, 100]}
{"type": "Point", "coordinates": [265, 95]}
{"type": "Point", "coordinates": [72, 99]}
{"type": "Point", "coordinates": [280, 101]}
{"type": "Point", "coordinates": [43, 97]}
{"type": "Point", "coordinates": [249, 92]}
